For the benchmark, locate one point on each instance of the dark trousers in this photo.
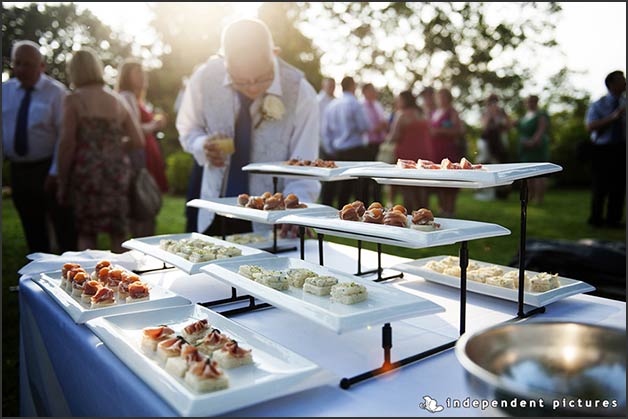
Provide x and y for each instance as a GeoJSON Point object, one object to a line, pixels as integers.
{"type": "Point", "coordinates": [33, 204]}
{"type": "Point", "coordinates": [609, 182]}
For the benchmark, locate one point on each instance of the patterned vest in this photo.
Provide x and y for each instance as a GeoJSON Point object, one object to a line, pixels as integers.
{"type": "Point", "coordinates": [270, 141]}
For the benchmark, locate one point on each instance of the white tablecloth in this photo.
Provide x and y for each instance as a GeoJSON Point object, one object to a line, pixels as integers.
{"type": "Point", "coordinates": [396, 394]}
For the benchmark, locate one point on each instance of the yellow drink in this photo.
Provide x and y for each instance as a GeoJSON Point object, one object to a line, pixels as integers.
{"type": "Point", "coordinates": [225, 144]}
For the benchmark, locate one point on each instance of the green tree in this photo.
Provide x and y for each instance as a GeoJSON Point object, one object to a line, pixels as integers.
{"type": "Point", "coordinates": [60, 30]}
{"type": "Point", "coordinates": [439, 44]}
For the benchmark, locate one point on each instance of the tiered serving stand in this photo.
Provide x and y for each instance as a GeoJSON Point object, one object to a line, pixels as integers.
{"type": "Point", "coordinates": [463, 231]}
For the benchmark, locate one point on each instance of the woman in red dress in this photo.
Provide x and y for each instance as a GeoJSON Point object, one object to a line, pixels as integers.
{"type": "Point", "coordinates": [410, 133]}
{"type": "Point", "coordinates": [132, 85]}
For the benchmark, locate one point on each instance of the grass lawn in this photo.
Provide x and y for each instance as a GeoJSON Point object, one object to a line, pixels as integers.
{"type": "Point", "coordinates": [562, 216]}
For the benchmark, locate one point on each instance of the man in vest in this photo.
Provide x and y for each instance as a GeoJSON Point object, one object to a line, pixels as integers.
{"type": "Point", "coordinates": [264, 104]}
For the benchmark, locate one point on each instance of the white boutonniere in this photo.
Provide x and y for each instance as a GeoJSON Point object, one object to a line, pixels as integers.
{"type": "Point", "coordinates": [272, 109]}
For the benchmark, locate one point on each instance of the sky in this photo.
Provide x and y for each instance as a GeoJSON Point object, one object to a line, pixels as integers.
{"type": "Point", "coordinates": [591, 36]}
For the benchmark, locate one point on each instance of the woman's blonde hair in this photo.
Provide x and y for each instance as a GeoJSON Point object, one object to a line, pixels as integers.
{"type": "Point", "coordinates": [124, 74]}
{"type": "Point", "coordinates": [85, 68]}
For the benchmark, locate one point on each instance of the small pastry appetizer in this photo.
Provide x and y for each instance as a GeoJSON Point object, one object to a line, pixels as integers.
{"type": "Point", "coordinates": [255, 203]}
{"type": "Point", "coordinates": [98, 267]}
{"type": "Point", "coordinates": [103, 275]}
{"type": "Point", "coordinates": [232, 356]}
{"type": "Point", "coordinates": [178, 365]}
{"type": "Point", "coordinates": [90, 288]}
{"type": "Point", "coordinates": [273, 203]}
{"type": "Point", "coordinates": [205, 376]}
{"type": "Point", "coordinates": [77, 283]}
{"type": "Point", "coordinates": [406, 164]}
{"type": "Point", "coordinates": [266, 195]}
{"type": "Point", "coordinates": [243, 199]}
{"type": "Point", "coordinates": [67, 267]}
{"type": "Point", "coordinates": [349, 213]}
{"type": "Point", "coordinates": [104, 297]}
{"type": "Point", "coordinates": [127, 279]}
{"type": "Point", "coordinates": [348, 293]}
{"type": "Point", "coordinates": [544, 282]}
{"type": "Point", "coordinates": [319, 285]}
{"type": "Point", "coordinates": [395, 218]}
{"type": "Point", "coordinates": [195, 331]}
{"type": "Point", "coordinates": [401, 209]}
{"type": "Point", "coordinates": [297, 276]}
{"type": "Point", "coordinates": [423, 220]}
{"type": "Point", "coordinates": [292, 202]}
{"type": "Point", "coordinates": [212, 342]}
{"type": "Point", "coordinates": [114, 278]}
{"type": "Point", "coordinates": [374, 216]}
{"type": "Point", "coordinates": [169, 348]}
{"type": "Point", "coordinates": [359, 207]}
{"type": "Point", "coordinates": [274, 279]}
{"type": "Point", "coordinates": [153, 335]}
{"type": "Point", "coordinates": [250, 271]}
{"type": "Point", "coordinates": [376, 205]}
{"type": "Point", "coordinates": [138, 291]}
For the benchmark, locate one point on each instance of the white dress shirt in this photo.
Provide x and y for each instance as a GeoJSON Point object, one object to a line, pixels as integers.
{"type": "Point", "coordinates": [45, 116]}
{"type": "Point", "coordinates": [210, 106]}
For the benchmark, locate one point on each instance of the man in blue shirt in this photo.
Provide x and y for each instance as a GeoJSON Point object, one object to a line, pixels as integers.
{"type": "Point", "coordinates": [606, 121]}
{"type": "Point", "coordinates": [345, 127]}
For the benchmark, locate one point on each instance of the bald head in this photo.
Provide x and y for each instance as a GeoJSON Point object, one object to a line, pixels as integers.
{"type": "Point", "coordinates": [248, 48]}
{"type": "Point", "coordinates": [27, 63]}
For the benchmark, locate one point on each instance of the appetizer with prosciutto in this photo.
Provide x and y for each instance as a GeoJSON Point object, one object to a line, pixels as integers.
{"type": "Point", "coordinates": [154, 335]}
{"type": "Point", "coordinates": [232, 356]}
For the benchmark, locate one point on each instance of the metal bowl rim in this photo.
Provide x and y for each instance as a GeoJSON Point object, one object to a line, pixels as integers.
{"type": "Point", "coordinates": [503, 384]}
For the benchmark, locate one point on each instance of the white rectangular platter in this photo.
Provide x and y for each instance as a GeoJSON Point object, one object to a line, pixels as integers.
{"type": "Point", "coordinates": [281, 169]}
{"type": "Point", "coordinates": [80, 312]}
{"type": "Point", "coordinates": [150, 246]}
{"type": "Point", "coordinates": [490, 175]}
{"type": "Point", "coordinates": [276, 371]}
{"type": "Point", "coordinates": [567, 287]}
{"type": "Point", "coordinates": [262, 240]}
{"type": "Point", "coordinates": [451, 230]}
{"type": "Point", "coordinates": [384, 303]}
{"type": "Point", "coordinates": [229, 207]}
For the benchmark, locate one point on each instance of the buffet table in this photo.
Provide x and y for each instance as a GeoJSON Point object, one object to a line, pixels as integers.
{"type": "Point", "coordinates": [65, 370]}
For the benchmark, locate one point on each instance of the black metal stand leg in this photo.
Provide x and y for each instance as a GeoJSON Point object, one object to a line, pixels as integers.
{"type": "Point", "coordinates": [234, 299]}
{"type": "Point", "coordinates": [164, 267]}
{"type": "Point", "coordinates": [275, 184]}
{"type": "Point", "coordinates": [380, 270]}
{"type": "Point", "coordinates": [274, 238]}
{"type": "Point", "coordinates": [360, 272]}
{"type": "Point", "coordinates": [464, 262]}
{"type": "Point", "coordinates": [320, 248]}
{"type": "Point", "coordinates": [388, 366]}
{"type": "Point", "coordinates": [223, 226]}
{"type": "Point", "coordinates": [302, 241]}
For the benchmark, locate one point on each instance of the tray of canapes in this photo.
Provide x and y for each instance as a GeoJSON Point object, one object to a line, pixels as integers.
{"type": "Point", "coordinates": [483, 174]}
{"type": "Point", "coordinates": [190, 251]}
{"type": "Point", "coordinates": [86, 292]}
{"type": "Point", "coordinates": [335, 300]}
{"type": "Point", "coordinates": [202, 363]}
{"type": "Point", "coordinates": [396, 226]}
{"type": "Point", "coordinates": [327, 170]}
{"type": "Point", "coordinates": [261, 240]}
{"type": "Point", "coordinates": [540, 288]}
{"type": "Point", "coordinates": [266, 208]}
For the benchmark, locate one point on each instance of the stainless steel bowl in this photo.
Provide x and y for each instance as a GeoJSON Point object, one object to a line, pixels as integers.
{"type": "Point", "coordinates": [556, 362]}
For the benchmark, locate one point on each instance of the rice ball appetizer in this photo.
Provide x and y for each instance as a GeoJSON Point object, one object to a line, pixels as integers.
{"type": "Point", "coordinates": [195, 331]}
{"type": "Point", "coordinates": [232, 356]}
{"type": "Point", "coordinates": [206, 376]}
{"type": "Point", "coordinates": [348, 293]}
{"type": "Point", "coordinates": [154, 335]}
{"type": "Point", "coordinates": [319, 285]}
{"type": "Point", "coordinates": [297, 276]}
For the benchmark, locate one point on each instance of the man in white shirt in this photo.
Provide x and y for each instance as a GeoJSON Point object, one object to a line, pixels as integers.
{"type": "Point", "coordinates": [32, 105]}
{"type": "Point", "coordinates": [376, 135]}
{"type": "Point", "coordinates": [264, 104]}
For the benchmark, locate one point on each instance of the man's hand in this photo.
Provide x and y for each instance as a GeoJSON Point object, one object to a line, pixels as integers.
{"type": "Point", "coordinates": [215, 156]}
{"type": "Point", "coordinates": [619, 112]}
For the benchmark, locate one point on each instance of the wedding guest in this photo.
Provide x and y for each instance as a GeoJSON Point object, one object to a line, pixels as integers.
{"type": "Point", "coordinates": [446, 130]}
{"type": "Point", "coordinates": [428, 97]}
{"type": "Point", "coordinates": [325, 97]}
{"type": "Point", "coordinates": [132, 85]}
{"type": "Point", "coordinates": [534, 143]}
{"type": "Point", "coordinates": [32, 110]}
{"type": "Point", "coordinates": [376, 134]}
{"type": "Point", "coordinates": [606, 121]}
{"type": "Point", "coordinates": [492, 144]}
{"type": "Point", "coordinates": [266, 104]}
{"type": "Point", "coordinates": [344, 130]}
{"type": "Point", "coordinates": [410, 133]}
{"type": "Point", "coordinates": [97, 133]}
